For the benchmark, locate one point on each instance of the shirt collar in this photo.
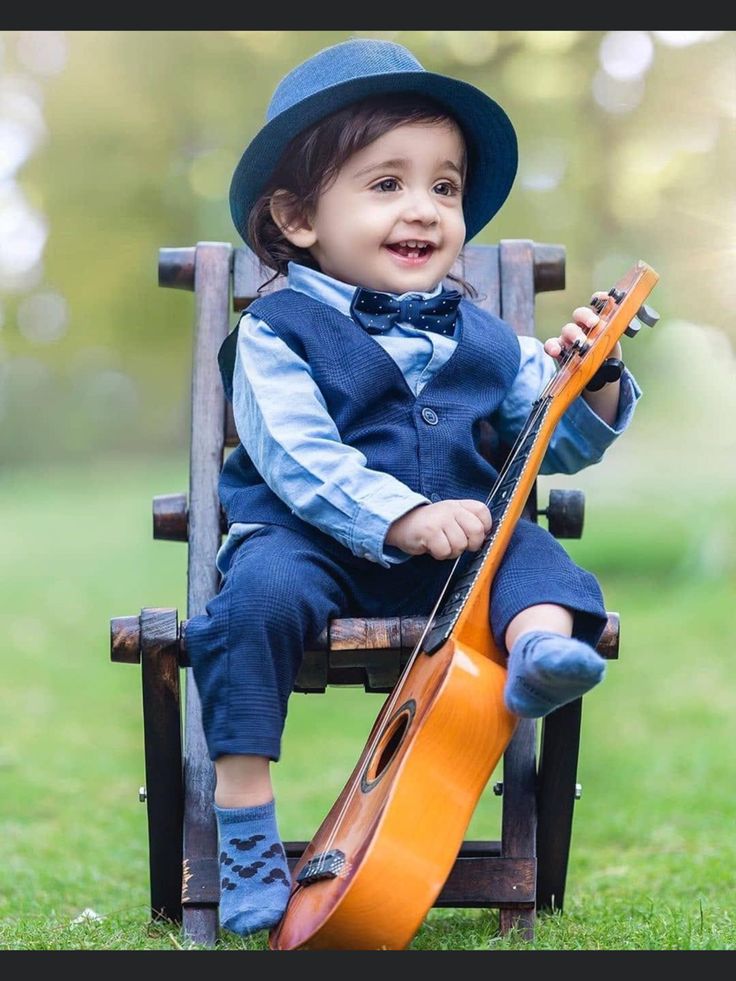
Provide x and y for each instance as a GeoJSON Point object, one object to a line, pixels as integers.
{"type": "Point", "coordinates": [333, 291]}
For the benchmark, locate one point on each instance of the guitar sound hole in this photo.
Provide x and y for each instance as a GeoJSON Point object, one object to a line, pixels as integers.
{"type": "Point", "coordinates": [392, 744]}
{"type": "Point", "coordinates": [388, 746]}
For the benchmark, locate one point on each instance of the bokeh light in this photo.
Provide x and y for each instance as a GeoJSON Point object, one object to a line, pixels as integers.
{"type": "Point", "coordinates": [682, 39]}
{"type": "Point", "coordinates": [44, 52]}
{"type": "Point", "coordinates": [471, 47]}
{"type": "Point", "coordinates": [617, 95]}
{"type": "Point", "coordinates": [42, 317]}
{"type": "Point", "coordinates": [626, 54]}
{"type": "Point", "coordinates": [23, 233]}
{"type": "Point", "coordinates": [543, 164]}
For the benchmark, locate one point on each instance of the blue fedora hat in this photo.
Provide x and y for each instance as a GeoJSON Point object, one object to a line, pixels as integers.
{"type": "Point", "coordinates": [352, 70]}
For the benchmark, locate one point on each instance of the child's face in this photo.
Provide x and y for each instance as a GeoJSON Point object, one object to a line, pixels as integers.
{"type": "Point", "coordinates": [405, 187]}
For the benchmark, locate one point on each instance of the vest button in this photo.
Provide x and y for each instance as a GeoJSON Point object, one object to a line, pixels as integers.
{"type": "Point", "coordinates": [430, 416]}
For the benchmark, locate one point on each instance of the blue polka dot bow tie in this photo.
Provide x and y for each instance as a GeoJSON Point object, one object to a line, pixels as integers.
{"type": "Point", "coordinates": [377, 312]}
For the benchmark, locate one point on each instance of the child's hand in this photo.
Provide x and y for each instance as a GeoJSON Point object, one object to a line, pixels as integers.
{"type": "Point", "coordinates": [585, 318]}
{"type": "Point", "coordinates": [444, 529]}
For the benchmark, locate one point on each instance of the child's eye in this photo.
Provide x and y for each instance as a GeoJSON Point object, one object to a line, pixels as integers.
{"type": "Point", "coordinates": [387, 184]}
{"type": "Point", "coordinates": [447, 188]}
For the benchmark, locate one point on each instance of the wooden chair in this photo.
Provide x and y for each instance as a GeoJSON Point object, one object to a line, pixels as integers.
{"type": "Point", "coordinates": [521, 873]}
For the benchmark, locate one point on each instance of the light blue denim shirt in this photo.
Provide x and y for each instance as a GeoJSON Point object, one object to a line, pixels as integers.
{"type": "Point", "coordinates": [282, 421]}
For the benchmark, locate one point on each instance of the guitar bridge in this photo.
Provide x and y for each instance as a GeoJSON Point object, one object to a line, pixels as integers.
{"type": "Point", "coordinates": [328, 865]}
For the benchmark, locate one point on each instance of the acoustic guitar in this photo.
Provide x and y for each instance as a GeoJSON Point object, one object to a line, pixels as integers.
{"type": "Point", "coordinates": [383, 853]}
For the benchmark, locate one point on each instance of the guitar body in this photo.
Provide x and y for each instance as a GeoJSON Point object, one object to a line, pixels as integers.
{"type": "Point", "coordinates": [440, 741]}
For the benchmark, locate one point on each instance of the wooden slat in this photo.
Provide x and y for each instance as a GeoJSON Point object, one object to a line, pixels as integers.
{"type": "Point", "coordinates": [516, 258]}
{"type": "Point", "coordinates": [348, 639]}
{"type": "Point", "coordinates": [176, 268]}
{"type": "Point", "coordinates": [475, 880]}
{"type": "Point", "coordinates": [549, 267]}
{"type": "Point", "coordinates": [249, 276]}
{"type": "Point", "coordinates": [480, 268]}
{"type": "Point", "coordinates": [125, 640]}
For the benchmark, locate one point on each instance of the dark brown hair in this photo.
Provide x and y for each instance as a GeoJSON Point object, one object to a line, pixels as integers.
{"type": "Point", "coordinates": [312, 161]}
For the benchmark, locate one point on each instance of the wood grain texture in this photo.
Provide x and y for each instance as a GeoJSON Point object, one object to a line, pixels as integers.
{"type": "Point", "coordinates": [519, 817]}
{"type": "Point", "coordinates": [516, 260]}
{"type": "Point", "coordinates": [162, 740]}
{"type": "Point", "coordinates": [474, 881]}
{"type": "Point", "coordinates": [176, 268]}
{"type": "Point", "coordinates": [549, 267]}
{"type": "Point", "coordinates": [211, 325]}
{"type": "Point", "coordinates": [125, 640]}
{"type": "Point", "coordinates": [558, 762]}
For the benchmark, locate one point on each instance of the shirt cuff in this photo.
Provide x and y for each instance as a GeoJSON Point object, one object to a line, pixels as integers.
{"type": "Point", "coordinates": [372, 521]}
{"type": "Point", "coordinates": [599, 434]}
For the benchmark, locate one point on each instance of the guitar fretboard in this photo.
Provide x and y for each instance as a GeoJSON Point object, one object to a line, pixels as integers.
{"type": "Point", "coordinates": [502, 494]}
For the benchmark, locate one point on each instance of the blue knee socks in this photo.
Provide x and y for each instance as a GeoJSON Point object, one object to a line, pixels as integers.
{"type": "Point", "coordinates": [254, 875]}
{"type": "Point", "coordinates": [546, 670]}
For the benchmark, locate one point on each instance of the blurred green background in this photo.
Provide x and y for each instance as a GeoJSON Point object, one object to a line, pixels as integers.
{"type": "Point", "coordinates": [116, 143]}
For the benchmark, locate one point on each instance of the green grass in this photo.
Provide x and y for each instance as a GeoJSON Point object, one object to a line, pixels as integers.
{"type": "Point", "coordinates": [652, 863]}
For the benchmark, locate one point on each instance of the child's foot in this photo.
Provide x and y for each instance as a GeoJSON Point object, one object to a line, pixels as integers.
{"type": "Point", "coordinates": [546, 670]}
{"type": "Point", "coordinates": [254, 875]}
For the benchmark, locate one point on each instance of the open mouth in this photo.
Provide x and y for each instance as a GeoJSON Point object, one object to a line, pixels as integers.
{"type": "Point", "coordinates": [411, 249]}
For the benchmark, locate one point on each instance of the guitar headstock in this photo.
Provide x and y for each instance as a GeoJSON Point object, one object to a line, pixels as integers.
{"type": "Point", "coordinates": [621, 311]}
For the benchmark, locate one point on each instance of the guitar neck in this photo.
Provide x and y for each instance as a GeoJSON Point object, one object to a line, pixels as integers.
{"type": "Point", "coordinates": [458, 600]}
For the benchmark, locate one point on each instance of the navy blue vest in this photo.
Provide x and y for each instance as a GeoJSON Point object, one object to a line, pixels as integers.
{"type": "Point", "coordinates": [429, 442]}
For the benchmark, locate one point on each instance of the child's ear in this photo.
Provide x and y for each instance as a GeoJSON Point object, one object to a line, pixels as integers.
{"type": "Point", "coordinates": [291, 221]}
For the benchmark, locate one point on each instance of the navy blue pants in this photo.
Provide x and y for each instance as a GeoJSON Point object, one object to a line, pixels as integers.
{"type": "Point", "coordinates": [283, 587]}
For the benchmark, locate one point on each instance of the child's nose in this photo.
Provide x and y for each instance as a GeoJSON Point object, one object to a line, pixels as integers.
{"type": "Point", "coordinates": [421, 207]}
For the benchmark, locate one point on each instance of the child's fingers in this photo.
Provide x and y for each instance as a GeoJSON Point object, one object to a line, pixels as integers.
{"type": "Point", "coordinates": [585, 317]}
{"type": "Point", "coordinates": [480, 510]}
{"type": "Point", "coordinates": [570, 333]}
{"type": "Point", "coordinates": [553, 347]}
{"type": "Point", "coordinates": [472, 528]}
{"type": "Point", "coordinates": [439, 545]}
{"type": "Point", "coordinates": [456, 536]}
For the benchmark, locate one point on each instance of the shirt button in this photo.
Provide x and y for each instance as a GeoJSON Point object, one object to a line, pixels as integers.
{"type": "Point", "coordinates": [430, 416]}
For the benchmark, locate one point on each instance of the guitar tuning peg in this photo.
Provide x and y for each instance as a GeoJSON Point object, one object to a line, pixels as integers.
{"type": "Point", "coordinates": [609, 371]}
{"type": "Point", "coordinates": [645, 315]}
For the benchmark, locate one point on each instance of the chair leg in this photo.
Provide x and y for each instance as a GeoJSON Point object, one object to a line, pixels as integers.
{"type": "Point", "coordinates": [162, 739]}
{"type": "Point", "coordinates": [200, 827]}
{"type": "Point", "coordinates": [519, 820]}
{"type": "Point", "coordinates": [556, 799]}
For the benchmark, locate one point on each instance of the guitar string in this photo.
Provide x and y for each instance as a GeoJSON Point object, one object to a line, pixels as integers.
{"type": "Point", "coordinates": [539, 409]}
{"type": "Point", "coordinates": [531, 421]}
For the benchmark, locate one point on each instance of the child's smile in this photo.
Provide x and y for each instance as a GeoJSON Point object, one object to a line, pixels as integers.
{"type": "Point", "coordinates": [412, 252]}
{"type": "Point", "coordinates": [392, 220]}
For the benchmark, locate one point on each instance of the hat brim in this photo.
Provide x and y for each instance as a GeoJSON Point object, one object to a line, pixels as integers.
{"type": "Point", "coordinates": [489, 134]}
